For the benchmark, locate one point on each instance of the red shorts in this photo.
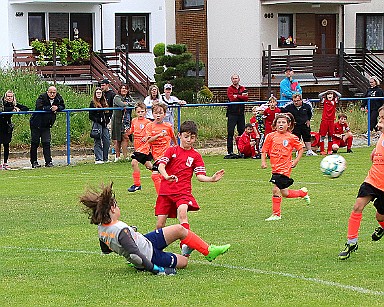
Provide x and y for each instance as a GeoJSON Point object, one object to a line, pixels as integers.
{"type": "Point", "coordinates": [339, 142]}
{"type": "Point", "coordinates": [168, 204]}
{"type": "Point", "coordinates": [327, 127]}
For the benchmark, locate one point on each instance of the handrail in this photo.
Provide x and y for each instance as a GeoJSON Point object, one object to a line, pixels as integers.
{"type": "Point", "coordinates": [179, 107]}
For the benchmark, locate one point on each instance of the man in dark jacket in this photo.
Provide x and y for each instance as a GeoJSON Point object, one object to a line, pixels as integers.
{"type": "Point", "coordinates": [109, 94]}
{"type": "Point", "coordinates": [235, 112]}
{"type": "Point", "coordinates": [302, 112]}
{"type": "Point", "coordinates": [41, 124]}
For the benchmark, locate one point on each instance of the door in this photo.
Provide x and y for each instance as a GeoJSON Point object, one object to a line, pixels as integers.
{"type": "Point", "coordinates": [81, 27]}
{"type": "Point", "coordinates": [326, 34]}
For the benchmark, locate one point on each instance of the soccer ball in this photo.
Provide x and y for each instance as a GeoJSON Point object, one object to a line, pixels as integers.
{"type": "Point", "coordinates": [333, 166]}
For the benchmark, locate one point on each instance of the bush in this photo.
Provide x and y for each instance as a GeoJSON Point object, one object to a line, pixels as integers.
{"type": "Point", "coordinates": [177, 48]}
{"type": "Point", "coordinates": [159, 49]}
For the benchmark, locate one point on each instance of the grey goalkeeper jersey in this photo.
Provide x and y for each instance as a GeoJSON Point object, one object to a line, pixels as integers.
{"type": "Point", "coordinates": [109, 234]}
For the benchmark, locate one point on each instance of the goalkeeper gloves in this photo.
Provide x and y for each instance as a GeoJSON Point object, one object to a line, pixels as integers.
{"type": "Point", "coordinates": [159, 270]}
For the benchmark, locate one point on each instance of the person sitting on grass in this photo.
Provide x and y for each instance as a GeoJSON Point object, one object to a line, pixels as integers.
{"type": "Point", "coordinates": [279, 146]}
{"type": "Point", "coordinates": [248, 142]}
{"type": "Point", "coordinates": [372, 189]}
{"type": "Point", "coordinates": [343, 136]}
{"type": "Point", "coordinates": [145, 252]}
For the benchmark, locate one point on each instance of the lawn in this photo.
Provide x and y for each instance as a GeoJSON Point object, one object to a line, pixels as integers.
{"type": "Point", "coordinates": [49, 251]}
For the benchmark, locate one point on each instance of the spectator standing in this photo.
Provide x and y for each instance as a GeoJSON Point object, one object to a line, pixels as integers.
{"type": "Point", "coordinates": [153, 97]}
{"type": "Point", "coordinates": [41, 124]}
{"type": "Point", "coordinates": [101, 117]}
{"type": "Point", "coordinates": [235, 112]}
{"type": "Point", "coordinates": [289, 86]}
{"type": "Point", "coordinates": [7, 104]}
{"type": "Point", "coordinates": [302, 113]}
{"type": "Point", "coordinates": [373, 91]}
{"type": "Point", "coordinates": [170, 101]}
{"type": "Point", "coordinates": [121, 121]}
{"type": "Point", "coordinates": [109, 94]}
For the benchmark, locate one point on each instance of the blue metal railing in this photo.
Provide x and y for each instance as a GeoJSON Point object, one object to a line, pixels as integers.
{"type": "Point", "coordinates": [69, 111]}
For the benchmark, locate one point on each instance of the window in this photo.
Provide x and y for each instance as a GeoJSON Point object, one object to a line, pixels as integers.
{"type": "Point", "coordinates": [285, 30]}
{"type": "Point", "coordinates": [132, 29]}
{"type": "Point", "coordinates": [370, 31]}
{"type": "Point", "coordinates": [36, 26]}
{"type": "Point", "coordinates": [188, 4]}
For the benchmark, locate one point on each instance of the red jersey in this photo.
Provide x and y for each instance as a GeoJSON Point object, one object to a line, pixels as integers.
{"type": "Point", "coordinates": [254, 123]}
{"type": "Point", "coordinates": [376, 173]}
{"type": "Point", "coordinates": [161, 144]}
{"type": "Point", "coordinates": [182, 163]}
{"type": "Point", "coordinates": [341, 129]}
{"type": "Point", "coordinates": [279, 147]}
{"type": "Point", "coordinates": [329, 109]}
{"type": "Point", "coordinates": [269, 116]}
{"type": "Point", "coordinates": [138, 131]}
{"type": "Point", "coordinates": [245, 140]}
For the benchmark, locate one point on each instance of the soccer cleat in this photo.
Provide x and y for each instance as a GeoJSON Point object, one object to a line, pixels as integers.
{"type": "Point", "coordinates": [134, 188]}
{"type": "Point", "coordinates": [377, 234]}
{"type": "Point", "coordinates": [349, 151]}
{"type": "Point", "coordinates": [323, 153]}
{"type": "Point", "coordinates": [306, 197]}
{"type": "Point", "coordinates": [311, 153]}
{"type": "Point", "coordinates": [99, 162]}
{"type": "Point", "coordinates": [349, 248]}
{"type": "Point", "coordinates": [186, 250]}
{"type": "Point", "coordinates": [274, 217]}
{"type": "Point", "coordinates": [215, 251]}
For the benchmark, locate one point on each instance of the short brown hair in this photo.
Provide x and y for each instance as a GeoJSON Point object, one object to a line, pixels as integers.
{"type": "Point", "coordinates": [141, 105]}
{"type": "Point", "coordinates": [161, 105]}
{"type": "Point", "coordinates": [288, 116]}
{"type": "Point", "coordinates": [189, 126]}
{"type": "Point", "coordinates": [342, 115]}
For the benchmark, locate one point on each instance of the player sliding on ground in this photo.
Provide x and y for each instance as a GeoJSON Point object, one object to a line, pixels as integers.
{"type": "Point", "coordinates": [279, 146]}
{"type": "Point", "coordinates": [372, 189]}
{"type": "Point", "coordinates": [145, 252]}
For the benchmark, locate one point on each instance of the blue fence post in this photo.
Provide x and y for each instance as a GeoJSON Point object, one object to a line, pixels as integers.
{"type": "Point", "coordinates": [68, 125]}
{"type": "Point", "coordinates": [178, 122]}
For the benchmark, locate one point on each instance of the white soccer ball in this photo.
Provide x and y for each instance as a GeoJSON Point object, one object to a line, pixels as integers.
{"type": "Point", "coordinates": [333, 166]}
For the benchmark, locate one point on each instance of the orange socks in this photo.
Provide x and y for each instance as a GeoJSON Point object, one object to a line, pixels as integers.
{"type": "Point", "coordinates": [197, 243]}
{"type": "Point", "coordinates": [276, 205]}
{"type": "Point", "coordinates": [296, 193]}
{"type": "Point", "coordinates": [186, 226]}
{"type": "Point", "coordinates": [156, 178]}
{"type": "Point", "coordinates": [136, 178]}
{"type": "Point", "coordinates": [354, 225]}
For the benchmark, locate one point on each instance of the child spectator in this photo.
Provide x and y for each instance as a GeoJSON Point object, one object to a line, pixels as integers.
{"type": "Point", "coordinates": [160, 135]}
{"type": "Point", "coordinates": [343, 135]}
{"type": "Point", "coordinates": [248, 143]}
{"type": "Point", "coordinates": [279, 146]}
{"type": "Point", "coordinates": [145, 252]}
{"type": "Point", "coordinates": [269, 114]}
{"type": "Point", "coordinates": [372, 189]}
{"type": "Point", "coordinates": [257, 117]}
{"type": "Point", "coordinates": [177, 166]}
{"type": "Point", "coordinates": [328, 99]}
{"type": "Point", "coordinates": [141, 152]}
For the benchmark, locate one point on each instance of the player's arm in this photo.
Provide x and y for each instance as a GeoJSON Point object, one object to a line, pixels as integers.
{"type": "Point", "coordinates": [263, 159]}
{"type": "Point", "coordinates": [104, 248]}
{"type": "Point", "coordinates": [298, 157]}
{"type": "Point", "coordinates": [164, 173]}
{"type": "Point", "coordinates": [373, 153]}
{"type": "Point", "coordinates": [216, 176]}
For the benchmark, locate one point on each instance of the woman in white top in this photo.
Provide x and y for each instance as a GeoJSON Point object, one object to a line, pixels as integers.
{"type": "Point", "coordinates": [152, 98]}
{"type": "Point", "coordinates": [170, 101]}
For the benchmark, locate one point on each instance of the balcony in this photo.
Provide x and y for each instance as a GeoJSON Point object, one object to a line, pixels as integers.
{"type": "Point", "coordinates": [315, 2]}
{"type": "Point", "coordinates": [62, 1]}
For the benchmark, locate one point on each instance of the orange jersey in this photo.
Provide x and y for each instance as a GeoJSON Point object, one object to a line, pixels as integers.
{"type": "Point", "coordinates": [279, 147]}
{"type": "Point", "coordinates": [138, 130]}
{"type": "Point", "coordinates": [376, 173]}
{"type": "Point", "coordinates": [161, 144]}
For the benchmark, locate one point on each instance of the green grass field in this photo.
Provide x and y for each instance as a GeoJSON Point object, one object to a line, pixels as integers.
{"type": "Point", "coordinates": [49, 253]}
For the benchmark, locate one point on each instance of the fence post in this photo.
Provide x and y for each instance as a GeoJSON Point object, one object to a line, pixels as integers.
{"type": "Point", "coordinates": [54, 63]}
{"type": "Point", "coordinates": [68, 126]}
{"type": "Point", "coordinates": [197, 67]}
{"type": "Point", "coordinates": [369, 122]}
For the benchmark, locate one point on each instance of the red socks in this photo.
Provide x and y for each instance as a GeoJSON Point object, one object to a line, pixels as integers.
{"type": "Point", "coordinates": [381, 224]}
{"type": "Point", "coordinates": [276, 205]}
{"type": "Point", "coordinates": [136, 178]}
{"type": "Point", "coordinates": [354, 225]}
{"type": "Point", "coordinates": [195, 242]}
{"type": "Point", "coordinates": [296, 193]}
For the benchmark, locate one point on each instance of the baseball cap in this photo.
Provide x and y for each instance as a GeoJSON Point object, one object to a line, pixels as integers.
{"type": "Point", "coordinates": [105, 81]}
{"type": "Point", "coordinates": [288, 68]}
{"type": "Point", "coordinates": [168, 85]}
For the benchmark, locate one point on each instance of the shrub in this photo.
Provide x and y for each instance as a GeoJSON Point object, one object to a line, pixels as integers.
{"type": "Point", "coordinates": [177, 48]}
{"type": "Point", "coordinates": [159, 49]}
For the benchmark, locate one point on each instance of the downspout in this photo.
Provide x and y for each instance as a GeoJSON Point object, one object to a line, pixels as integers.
{"type": "Point", "coordinates": [101, 28]}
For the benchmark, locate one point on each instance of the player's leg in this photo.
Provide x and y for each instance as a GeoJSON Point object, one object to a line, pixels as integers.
{"type": "Point", "coordinates": [161, 221]}
{"type": "Point", "coordinates": [379, 205]}
{"type": "Point", "coordinates": [276, 203]}
{"type": "Point", "coordinates": [322, 133]}
{"type": "Point", "coordinates": [135, 175]}
{"type": "Point", "coordinates": [124, 144]}
{"type": "Point", "coordinates": [156, 178]}
{"type": "Point", "coordinates": [348, 139]}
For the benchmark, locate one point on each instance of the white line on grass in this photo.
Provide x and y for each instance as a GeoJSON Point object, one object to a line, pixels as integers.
{"type": "Point", "coordinates": [227, 266]}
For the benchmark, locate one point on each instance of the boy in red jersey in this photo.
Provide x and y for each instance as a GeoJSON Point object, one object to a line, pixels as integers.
{"type": "Point", "coordinates": [279, 146]}
{"type": "Point", "coordinates": [177, 166]}
{"type": "Point", "coordinates": [247, 143]}
{"type": "Point", "coordinates": [328, 99]}
{"type": "Point", "coordinates": [269, 114]}
{"type": "Point", "coordinates": [343, 135]}
{"type": "Point", "coordinates": [159, 134]}
{"type": "Point", "coordinates": [140, 144]}
{"type": "Point", "coordinates": [372, 189]}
